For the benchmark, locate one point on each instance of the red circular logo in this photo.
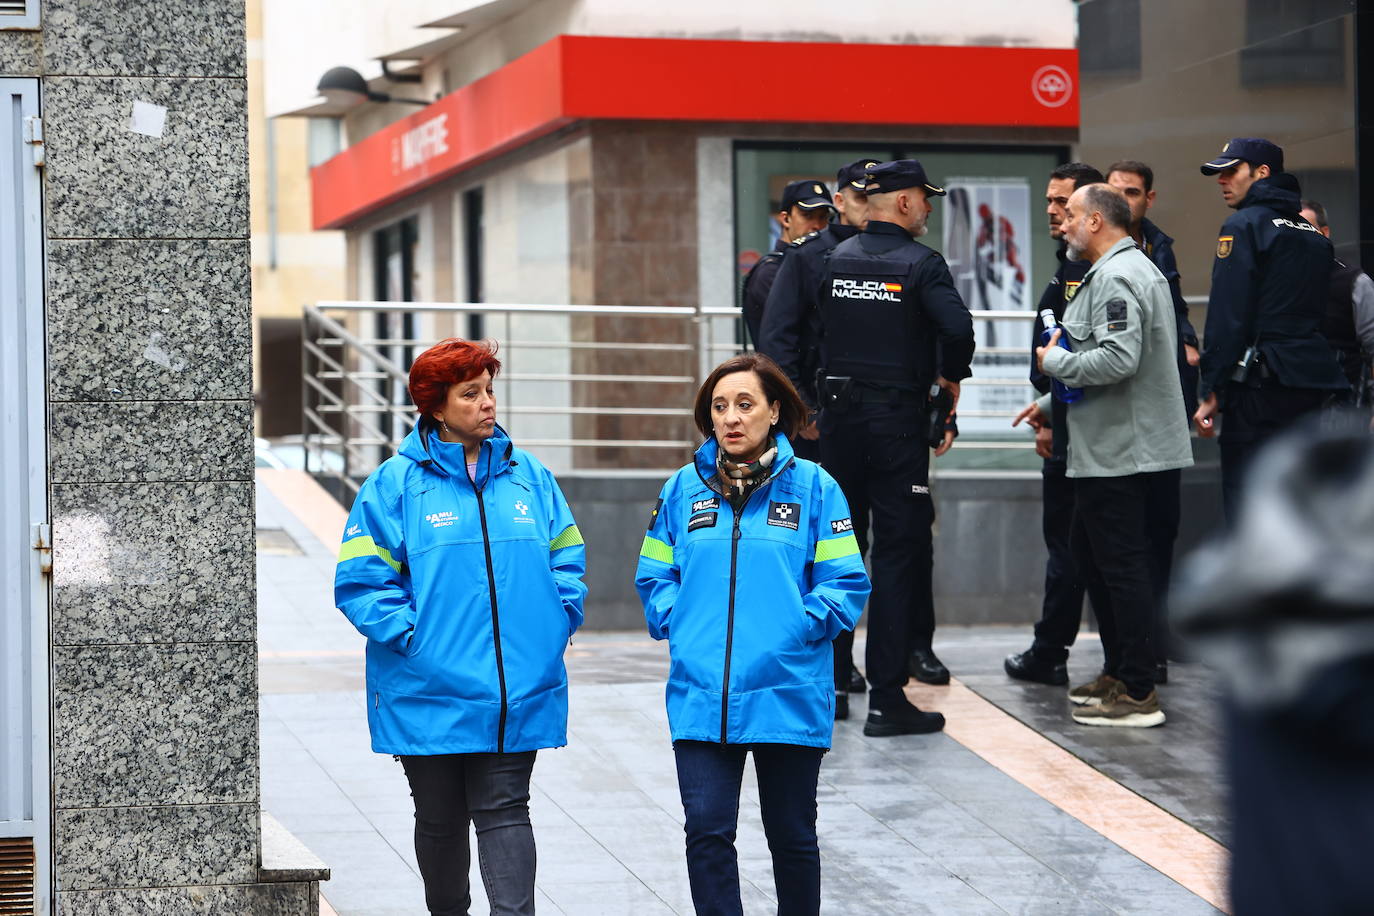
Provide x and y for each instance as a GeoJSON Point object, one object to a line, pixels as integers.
{"type": "Point", "coordinates": [1052, 86]}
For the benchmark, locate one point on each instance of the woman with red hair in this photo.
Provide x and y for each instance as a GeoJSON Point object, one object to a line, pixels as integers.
{"type": "Point", "coordinates": [462, 565]}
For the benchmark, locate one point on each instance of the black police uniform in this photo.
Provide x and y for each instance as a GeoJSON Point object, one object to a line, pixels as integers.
{"type": "Point", "coordinates": [1338, 325]}
{"type": "Point", "coordinates": [1269, 289]}
{"type": "Point", "coordinates": [806, 194]}
{"type": "Point", "coordinates": [1159, 248]}
{"type": "Point", "coordinates": [891, 321]}
{"type": "Point", "coordinates": [1163, 509]}
{"type": "Point", "coordinates": [791, 338]}
{"type": "Point", "coordinates": [1062, 610]}
{"type": "Point", "coordinates": [757, 284]}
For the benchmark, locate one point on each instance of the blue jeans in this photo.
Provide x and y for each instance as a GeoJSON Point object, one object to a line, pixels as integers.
{"type": "Point", "coordinates": [491, 791]}
{"type": "Point", "coordinates": [709, 776]}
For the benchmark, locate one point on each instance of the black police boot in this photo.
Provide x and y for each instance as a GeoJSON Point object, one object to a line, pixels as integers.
{"type": "Point", "coordinates": [856, 684]}
{"type": "Point", "coordinates": [900, 718]}
{"type": "Point", "coordinates": [1028, 666]}
{"type": "Point", "coordinates": [926, 668]}
{"type": "Point", "coordinates": [841, 706]}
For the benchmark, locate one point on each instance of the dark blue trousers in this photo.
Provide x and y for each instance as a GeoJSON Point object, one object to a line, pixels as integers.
{"type": "Point", "coordinates": [709, 776]}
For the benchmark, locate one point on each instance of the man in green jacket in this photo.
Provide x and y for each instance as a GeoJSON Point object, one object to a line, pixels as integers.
{"type": "Point", "coordinates": [1127, 434]}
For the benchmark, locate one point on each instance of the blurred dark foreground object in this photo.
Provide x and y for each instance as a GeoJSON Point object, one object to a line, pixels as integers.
{"type": "Point", "coordinates": [1284, 610]}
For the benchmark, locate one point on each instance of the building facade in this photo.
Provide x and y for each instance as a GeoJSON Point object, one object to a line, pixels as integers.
{"type": "Point", "coordinates": [584, 152]}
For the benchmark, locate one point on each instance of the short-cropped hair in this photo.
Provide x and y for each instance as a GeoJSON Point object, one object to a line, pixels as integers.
{"type": "Point", "coordinates": [776, 388]}
{"type": "Point", "coordinates": [1135, 167]}
{"type": "Point", "coordinates": [1079, 172]}
{"type": "Point", "coordinates": [446, 364]}
{"type": "Point", "coordinates": [1107, 200]}
{"type": "Point", "coordinates": [1318, 210]}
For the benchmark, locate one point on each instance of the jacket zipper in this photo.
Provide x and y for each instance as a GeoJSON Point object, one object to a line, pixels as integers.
{"type": "Point", "coordinates": [735, 535]}
{"type": "Point", "coordinates": [495, 619]}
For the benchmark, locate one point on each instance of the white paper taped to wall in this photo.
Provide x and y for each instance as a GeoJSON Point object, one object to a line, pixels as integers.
{"type": "Point", "coordinates": [148, 119]}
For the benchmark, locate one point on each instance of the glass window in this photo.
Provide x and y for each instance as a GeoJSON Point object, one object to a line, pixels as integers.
{"type": "Point", "coordinates": [325, 139]}
{"type": "Point", "coordinates": [1109, 37]}
{"type": "Point", "coordinates": [1293, 43]}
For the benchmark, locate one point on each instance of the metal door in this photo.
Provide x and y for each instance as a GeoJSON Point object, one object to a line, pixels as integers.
{"type": "Point", "coordinates": [25, 794]}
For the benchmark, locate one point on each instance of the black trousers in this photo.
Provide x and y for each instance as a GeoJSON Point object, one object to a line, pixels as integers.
{"type": "Point", "coordinates": [881, 461]}
{"type": "Point", "coordinates": [1251, 418]}
{"type": "Point", "coordinates": [1111, 544]}
{"type": "Point", "coordinates": [1061, 614]}
{"type": "Point", "coordinates": [1162, 513]}
{"type": "Point", "coordinates": [492, 792]}
{"type": "Point", "coordinates": [1062, 611]}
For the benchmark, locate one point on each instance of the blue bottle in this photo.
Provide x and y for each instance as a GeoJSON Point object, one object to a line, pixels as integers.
{"type": "Point", "coordinates": [1061, 391]}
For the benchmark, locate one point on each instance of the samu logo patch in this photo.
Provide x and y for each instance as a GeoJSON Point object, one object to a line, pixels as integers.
{"type": "Point", "coordinates": [784, 515]}
{"type": "Point", "coordinates": [842, 526]}
{"type": "Point", "coordinates": [702, 505]}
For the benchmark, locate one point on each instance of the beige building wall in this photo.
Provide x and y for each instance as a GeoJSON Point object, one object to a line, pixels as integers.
{"type": "Point", "coordinates": [291, 263]}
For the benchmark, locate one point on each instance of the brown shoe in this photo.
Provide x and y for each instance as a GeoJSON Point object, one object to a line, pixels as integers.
{"type": "Point", "coordinates": [1121, 711]}
{"type": "Point", "coordinates": [1095, 691]}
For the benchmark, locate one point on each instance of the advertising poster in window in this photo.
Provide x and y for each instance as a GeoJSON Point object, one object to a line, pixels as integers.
{"type": "Point", "coordinates": [987, 245]}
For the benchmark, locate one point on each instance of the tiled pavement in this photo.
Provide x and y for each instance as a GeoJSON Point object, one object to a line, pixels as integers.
{"type": "Point", "coordinates": [916, 824]}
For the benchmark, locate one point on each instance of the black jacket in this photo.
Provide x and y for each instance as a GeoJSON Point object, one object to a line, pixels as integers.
{"type": "Point", "coordinates": [1056, 296]}
{"type": "Point", "coordinates": [757, 283]}
{"type": "Point", "coordinates": [891, 315]}
{"type": "Point", "coordinates": [790, 333]}
{"type": "Point", "coordinates": [1270, 283]}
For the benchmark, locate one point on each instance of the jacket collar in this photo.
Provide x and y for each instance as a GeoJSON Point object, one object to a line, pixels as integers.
{"type": "Point", "coordinates": [425, 448]}
{"type": "Point", "coordinates": [882, 227]}
{"type": "Point", "coordinates": [706, 454]}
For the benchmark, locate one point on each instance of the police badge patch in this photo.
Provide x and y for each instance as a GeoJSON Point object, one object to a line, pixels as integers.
{"type": "Point", "coordinates": [1224, 246]}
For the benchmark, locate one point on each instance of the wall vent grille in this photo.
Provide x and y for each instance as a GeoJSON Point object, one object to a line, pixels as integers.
{"type": "Point", "coordinates": [16, 876]}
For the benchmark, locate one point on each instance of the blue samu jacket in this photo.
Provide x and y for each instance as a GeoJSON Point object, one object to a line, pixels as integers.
{"type": "Point", "coordinates": [749, 601]}
{"type": "Point", "coordinates": [467, 591]}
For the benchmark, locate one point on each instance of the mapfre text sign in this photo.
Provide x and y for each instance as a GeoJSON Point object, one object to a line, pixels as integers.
{"type": "Point", "coordinates": [573, 78]}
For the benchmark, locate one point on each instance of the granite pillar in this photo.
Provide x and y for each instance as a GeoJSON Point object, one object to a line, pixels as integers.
{"type": "Point", "coordinates": [155, 777]}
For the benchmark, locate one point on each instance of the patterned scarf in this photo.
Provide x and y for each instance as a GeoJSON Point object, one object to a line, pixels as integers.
{"type": "Point", "coordinates": [743, 476]}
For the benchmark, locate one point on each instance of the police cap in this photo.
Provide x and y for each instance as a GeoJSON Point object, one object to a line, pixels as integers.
{"type": "Point", "coordinates": [1246, 149]}
{"type": "Point", "coordinates": [809, 194]}
{"type": "Point", "coordinates": [899, 174]}
{"type": "Point", "coordinates": [855, 175]}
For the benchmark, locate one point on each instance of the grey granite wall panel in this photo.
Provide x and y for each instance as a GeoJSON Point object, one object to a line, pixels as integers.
{"type": "Point", "coordinates": [298, 899]}
{"type": "Point", "coordinates": [156, 847]}
{"type": "Point", "coordinates": [185, 177]}
{"type": "Point", "coordinates": [155, 725]}
{"type": "Point", "coordinates": [152, 563]}
{"type": "Point", "coordinates": [149, 320]}
{"type": "Point", "coordinates": [144, 37]}
{"type": "Point", "coordinates": [151, 440]}
{"type": "Point", "coordinates": [21, 53]}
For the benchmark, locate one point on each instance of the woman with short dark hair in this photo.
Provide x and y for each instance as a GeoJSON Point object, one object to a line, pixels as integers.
{"type": "Point", "coordinates": [749, 570]}
{"type": "Point", "coordinates": [462, 566]}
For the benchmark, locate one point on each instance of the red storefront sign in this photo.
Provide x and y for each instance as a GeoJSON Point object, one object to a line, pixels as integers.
{"type": "Point", "coordinates": [574, 78]}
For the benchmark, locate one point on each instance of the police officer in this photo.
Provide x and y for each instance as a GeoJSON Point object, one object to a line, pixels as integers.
{"type": "Point", "coordinates": [805, 209]}
{"type": "Point", "coordinates": [1045, 662]}
{"type": "Point", "coordinates": [791, 337]}
{"type": "Point", "coordinates": [1349, 322]}
{"type": "Point", "coordinates": [892, 323]}
{"type": "Point", "coordinates": [1264, 360]}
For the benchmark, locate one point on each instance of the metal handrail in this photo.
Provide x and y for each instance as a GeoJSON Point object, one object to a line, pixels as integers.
{"type": "Point", "coordinates": [356, 404]}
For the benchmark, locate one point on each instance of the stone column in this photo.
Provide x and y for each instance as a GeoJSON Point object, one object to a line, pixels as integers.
{"type": "Point", "coordinates": [154, 656]}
